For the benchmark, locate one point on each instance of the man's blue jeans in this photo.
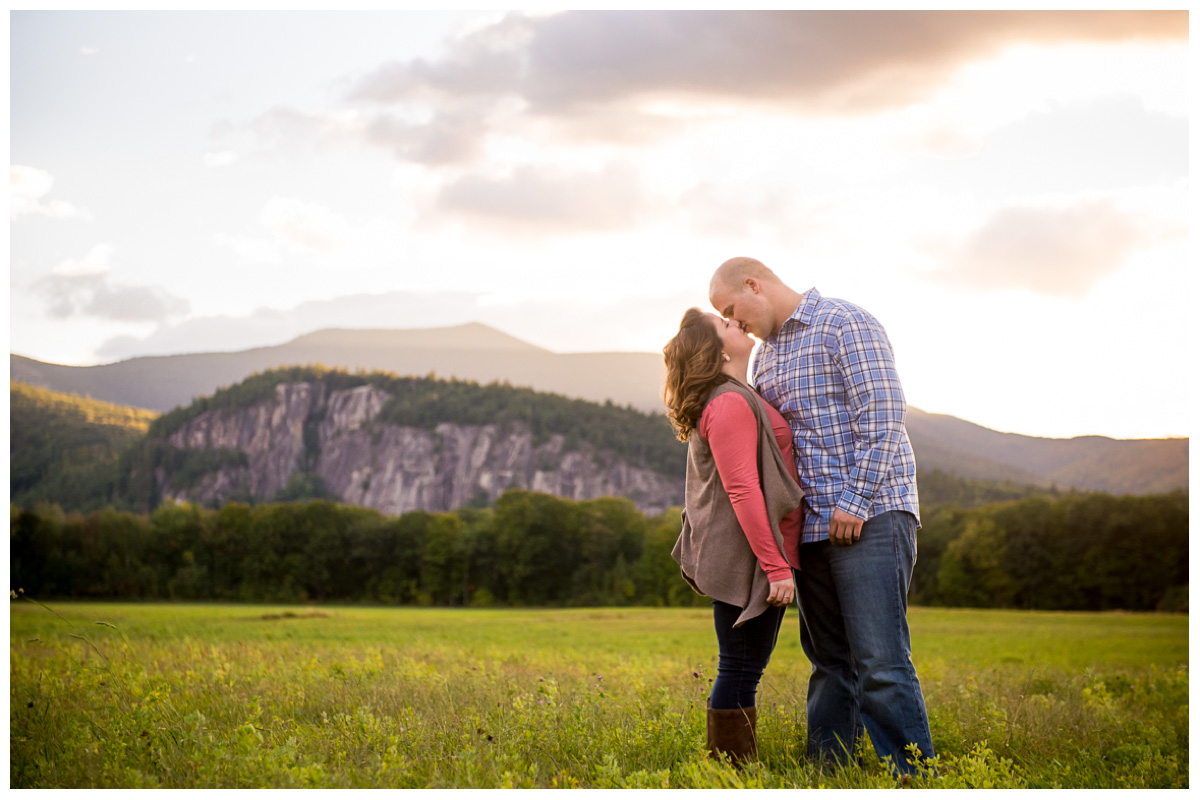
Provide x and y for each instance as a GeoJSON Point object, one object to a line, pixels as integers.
{"type": "Point", "coordinates": [854, 630]}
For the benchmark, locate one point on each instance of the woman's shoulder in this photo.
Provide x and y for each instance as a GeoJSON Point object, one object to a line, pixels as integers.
{"type": "Point", "coordinates": [738, 389]}
{"type": "Point", "coordinates": [729, 399]}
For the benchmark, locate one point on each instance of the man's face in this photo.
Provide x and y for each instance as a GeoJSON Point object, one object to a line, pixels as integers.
{"type": "Point", "coordinates": [745, 305]}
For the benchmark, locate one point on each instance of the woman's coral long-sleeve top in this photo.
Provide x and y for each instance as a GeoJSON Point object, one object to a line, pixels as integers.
{"type": "Point", "coordinates": [729, 427]}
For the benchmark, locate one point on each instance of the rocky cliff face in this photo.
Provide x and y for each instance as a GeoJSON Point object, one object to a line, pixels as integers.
{"type": "Point", "coordinates": [397, 469]}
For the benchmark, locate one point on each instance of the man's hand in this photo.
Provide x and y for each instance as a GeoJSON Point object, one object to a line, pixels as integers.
{"type": "Point", "coordinates": [844, 527]}
{"type": "Point", "coordinates": [782, 592]}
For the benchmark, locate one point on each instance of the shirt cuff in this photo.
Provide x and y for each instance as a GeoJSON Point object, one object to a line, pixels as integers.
{"type": "Point", "coordinates": [855, 503]}
{"type": "Point", "coordinates": [780, 574]}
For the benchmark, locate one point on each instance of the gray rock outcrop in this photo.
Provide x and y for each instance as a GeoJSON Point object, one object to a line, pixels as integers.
{"type": "Point", "coordinates": [363, 461]}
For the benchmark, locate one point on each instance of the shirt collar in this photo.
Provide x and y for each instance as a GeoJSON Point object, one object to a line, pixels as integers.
{"type": "Point", "coordinates": [803, 314]}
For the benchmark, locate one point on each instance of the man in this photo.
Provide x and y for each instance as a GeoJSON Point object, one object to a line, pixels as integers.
{"type": "Point", "coordinates": [827, 365]}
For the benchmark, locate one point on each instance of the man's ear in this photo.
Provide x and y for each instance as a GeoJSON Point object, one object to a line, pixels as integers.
{"type": "Point", "coordinates": [751, 285]}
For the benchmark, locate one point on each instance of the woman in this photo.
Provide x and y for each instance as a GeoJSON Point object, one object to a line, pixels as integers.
{"type": "Point", "coordinates": [741, 520]}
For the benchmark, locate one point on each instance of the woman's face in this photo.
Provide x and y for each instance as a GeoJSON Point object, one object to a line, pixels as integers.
{"type": "Point", "coordinates": [734, 340]}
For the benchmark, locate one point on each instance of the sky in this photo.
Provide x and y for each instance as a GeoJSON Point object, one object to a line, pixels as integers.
{"type": "Point", "coordinates": [1007, 192]}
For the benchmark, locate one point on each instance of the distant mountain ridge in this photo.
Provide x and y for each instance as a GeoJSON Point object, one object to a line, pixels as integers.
{"type": "Point", "coordinates": [1093, 463]}
{"type": "Point", "coordinates": [477, 352]}
{"type": "Point", "coordinates": [473, 352]}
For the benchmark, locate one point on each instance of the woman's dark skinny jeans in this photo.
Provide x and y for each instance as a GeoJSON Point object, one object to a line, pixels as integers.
{"type": "Point", "coordinates": [744, 653]}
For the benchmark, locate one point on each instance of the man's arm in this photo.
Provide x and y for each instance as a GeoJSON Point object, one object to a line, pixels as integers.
{"type": "Point", "coordinates": [877, 408]}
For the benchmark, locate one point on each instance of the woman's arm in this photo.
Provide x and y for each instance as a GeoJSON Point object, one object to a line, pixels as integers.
{"type": "Point", "coordinates": [729, 426]}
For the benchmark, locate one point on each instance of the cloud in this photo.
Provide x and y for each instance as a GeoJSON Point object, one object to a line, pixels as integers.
{"type": "Point", "coordinates": [252, 250]}
{"type": "Point", "coordinates": [293, 226]}
{"type": "Point", "coordinates": [96, 262]}
{"type": "Point", "coordinates": [287, 124]}
{"type": "Point", "coordinates": [134, 303]}
{"type": "Point", "coordinates": [1058, 252]}
{"type": "Point", "coordinates": [625, 78]}
{"type": "Point", "coordinates": [279, 132]}
{"type": "Point", "coordinates": [489, 60]}
{"type": "Point", "coordinates": [450, 138]}
{"type": "Point", "coordinates": [829, 61]}
{"type": "Point", "coordinates": [551, 200]}
{"type": "Point", "coordinates": [749, 210]}
{"type": "Point", "coordinates": [304, 225]}
{"type": "Point", "coordinates": [298, 232]}
{"type": "Point", "coordinates": [1108, 142]}
{"type": "Point", "coordinates": [81, 287]}
{"type": "Point", "coordinates": [221, 158]}
{"type": "Point", "coordinates": [27, 186]}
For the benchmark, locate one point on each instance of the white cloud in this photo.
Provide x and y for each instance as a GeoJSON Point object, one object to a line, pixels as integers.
{"type": "Point", "coordinates": [96, 262]}
{"type": "Point", "coordinates": [82, 287]}
{"type": "Point", "coordinates": [222, 158]}
{"type": "Point", "coordinates": [1062, 251]}
{"type": "Point", "coordinates": [304, 225]}
{"type": "Point", "coordinates": [252, 250]}
{"type": "Point", "coordinates": [551, 200]}
{"type": "Point", "coordinates": [27, 188]}
{"type": "Point", "coordinates": [573, 63]}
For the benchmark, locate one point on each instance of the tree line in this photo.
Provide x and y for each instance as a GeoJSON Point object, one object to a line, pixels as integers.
{"type": "Point", "coordinates": [1077, 552]}
{"type": "Point", "coordinates": [1092, 552]}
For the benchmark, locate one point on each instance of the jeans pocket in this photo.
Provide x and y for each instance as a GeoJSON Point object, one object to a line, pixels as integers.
{"type": "Point", "coordinates": [906, 534]}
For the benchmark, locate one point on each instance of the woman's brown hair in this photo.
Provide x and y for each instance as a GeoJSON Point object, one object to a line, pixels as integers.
{"type": "Point", "coordinates": [693, 360]}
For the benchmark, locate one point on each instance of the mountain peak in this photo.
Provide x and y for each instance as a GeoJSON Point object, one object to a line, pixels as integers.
{"type": "Point", "coordinates": [472, 336]}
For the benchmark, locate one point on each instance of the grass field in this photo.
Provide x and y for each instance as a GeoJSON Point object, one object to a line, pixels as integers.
{"type": "Point", "coordinates": [251, 696]}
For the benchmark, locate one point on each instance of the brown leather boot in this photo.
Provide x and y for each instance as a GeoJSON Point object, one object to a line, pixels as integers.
{"type": "Point", "coordinates": [732, 731]}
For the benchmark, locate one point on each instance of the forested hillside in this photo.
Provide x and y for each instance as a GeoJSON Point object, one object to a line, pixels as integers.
{"type": "Point", "coordinates": [398, 444]}
{"type": "Point", "coordinates": [427, 402]}
{"type": "Point", "coordinates": [64, 448]}
{"type": "Point", "coordinates": [82, 454]}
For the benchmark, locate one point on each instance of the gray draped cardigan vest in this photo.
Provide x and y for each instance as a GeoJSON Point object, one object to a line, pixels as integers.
{"type": "Point", "coordinates": [712, 550]}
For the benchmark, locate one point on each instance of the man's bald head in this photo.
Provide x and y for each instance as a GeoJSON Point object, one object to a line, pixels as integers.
{"type": "Point", "coordinates": [734, 272]}
{"type": "Point", "coordinates": [745, 290]}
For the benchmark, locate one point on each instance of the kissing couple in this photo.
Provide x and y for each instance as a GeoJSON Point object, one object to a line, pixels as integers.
{"type": "Point", "coordinates": [801, 486]}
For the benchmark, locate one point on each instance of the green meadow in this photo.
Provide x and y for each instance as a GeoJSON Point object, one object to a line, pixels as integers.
{"type": "Point", "coordinates": [179, 696]}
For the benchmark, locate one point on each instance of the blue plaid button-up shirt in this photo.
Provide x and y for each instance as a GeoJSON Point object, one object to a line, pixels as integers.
{"type": "Point", "coordinates": [830, 372]}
